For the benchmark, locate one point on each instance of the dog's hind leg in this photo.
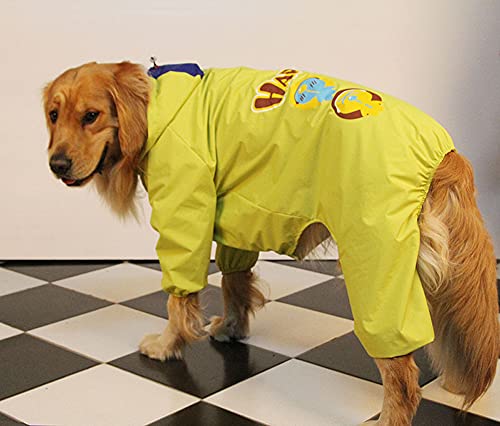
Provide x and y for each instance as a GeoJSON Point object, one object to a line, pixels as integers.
{"type": "Point", "coordinates": [457, 267]}
{"type": "Point", "coordinates": [401, 390]}
{"type": "Point", "coordinates": [240, 292]}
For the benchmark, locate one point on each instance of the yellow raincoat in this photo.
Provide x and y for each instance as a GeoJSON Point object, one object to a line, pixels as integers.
{"type": "Point", "coordinates": [250, 158]}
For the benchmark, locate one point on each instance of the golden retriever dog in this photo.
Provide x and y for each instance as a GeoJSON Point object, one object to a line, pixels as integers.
{"type": "Point", "coordinates": [97, 119]}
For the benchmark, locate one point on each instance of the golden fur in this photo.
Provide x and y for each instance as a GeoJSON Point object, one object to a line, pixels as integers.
{"type": "Point", "coordinates": [185, 326]}
{"type": "Point", "coordinates": [401, 391]}
{"type": "Point", "coordinates": [458, 269]}
{"type": "Point", "coordinates": [456, 261]}
{"type": "Point", "coordinates": [120, 93]}
{"type": "Point", "coordinates": [242, 298]}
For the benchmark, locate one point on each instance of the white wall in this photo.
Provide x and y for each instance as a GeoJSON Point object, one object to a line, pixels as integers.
{"type": "Point", "coordinates": [442, 56]}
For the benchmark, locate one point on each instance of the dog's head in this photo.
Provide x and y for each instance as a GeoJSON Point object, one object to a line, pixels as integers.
{"type": "Point", "coordinates": [96, 116]}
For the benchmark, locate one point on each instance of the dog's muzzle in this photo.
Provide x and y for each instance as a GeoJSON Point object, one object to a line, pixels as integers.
{"type": "Point", "coordinates": [61, 166]}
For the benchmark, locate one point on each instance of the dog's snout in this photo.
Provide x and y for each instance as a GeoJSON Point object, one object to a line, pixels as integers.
{"type": "Point", "coordinates": [60, 164]}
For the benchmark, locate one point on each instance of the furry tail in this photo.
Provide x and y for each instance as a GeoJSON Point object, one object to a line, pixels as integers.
{"type": "Point", "coordinates": [457, 267]}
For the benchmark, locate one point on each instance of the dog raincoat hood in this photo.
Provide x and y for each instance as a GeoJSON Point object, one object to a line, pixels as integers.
{"type": "Point", "coordinates": [250, 158]}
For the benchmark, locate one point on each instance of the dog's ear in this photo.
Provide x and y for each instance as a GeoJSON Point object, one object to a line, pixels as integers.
{"type": "Point", "coordinates": [45, 100]}
{"type": "Point", "coordinates": [130, 93]}
{"type": "Point", "coordinates": [45, 93]}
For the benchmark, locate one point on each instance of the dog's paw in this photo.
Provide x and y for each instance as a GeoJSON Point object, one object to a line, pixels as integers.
{"type": "Point", "coordinates": [156, 346]}
{"type": "Point", "coordinates": [370, 422]}
{"type": "Point", "coordinates": [217, 330]}
{"type": "Point", "coordinates": [224, 331]}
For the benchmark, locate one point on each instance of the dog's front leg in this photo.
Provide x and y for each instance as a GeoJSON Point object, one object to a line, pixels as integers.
{"type": "Point", "coordinates": [185, 325]}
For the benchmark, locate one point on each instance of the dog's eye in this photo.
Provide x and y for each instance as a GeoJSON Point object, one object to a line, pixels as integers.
{"type": "Point", "coordinates": [90, 117]}
{"type": "Point", "coordinates": [53, 116]}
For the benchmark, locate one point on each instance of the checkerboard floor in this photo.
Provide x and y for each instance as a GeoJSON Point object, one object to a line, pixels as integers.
{"type": "Point", "coordinates": [68, 354]}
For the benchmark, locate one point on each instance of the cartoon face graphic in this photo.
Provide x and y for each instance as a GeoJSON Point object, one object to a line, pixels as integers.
{"type": "Point", "coordinates": [312, 91]}
{"type": "Point", "coordinates": [356, 103]}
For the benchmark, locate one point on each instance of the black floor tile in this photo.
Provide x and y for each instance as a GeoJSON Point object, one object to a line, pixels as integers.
{"type": "Point", "coordinates": [329, 297]}
{"type": "Point", "coordinates": [327, 267]}
{"type": "Point", "coordinates": [27, 362]}
{"type": "Point", "coordinates": [431, 413]}
{"type": "Point", "coordinates": [7, 421]}
{"type": "Point", "coordinates": [156, 303]}
{"type": "Point", "coordinates": [153, 303]}
{"type": "Point", "coordinates": [151, 264]}
{"type": "Point", "coordinates": [55, 270]}
{"type": "Point", "coordinates": [43, 305]}
{"type": "Point", "coordinates": [203, 414]}
{"type": "Point", "coordinates": [208, 366]}
{"type": "Point", "coordinates": [345, 354]}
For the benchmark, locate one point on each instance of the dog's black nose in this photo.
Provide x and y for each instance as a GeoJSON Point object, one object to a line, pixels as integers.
{"type": "Point", "coordinates": [60, 164]}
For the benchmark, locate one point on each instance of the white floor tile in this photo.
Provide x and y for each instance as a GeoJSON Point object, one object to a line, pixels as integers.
{"type": "Point", "coordinates": [291, 330]}
{"type": "Point", "coordinates": [105, 334]}
{"type": "Point", "coordinates": [7, 331]}
{"type": "Point", "coordinates": [280, 280]}
{"type": "Point", "coordinates": [12, 282]}
{"type": "Point", "coordinates": [116, 283]}
{"type": "Point", "coordinates": [102, 395]}
{"type": "Point", "coordinates": [487, 406]}
{"type": "Point", "coordinates": [299, 393]}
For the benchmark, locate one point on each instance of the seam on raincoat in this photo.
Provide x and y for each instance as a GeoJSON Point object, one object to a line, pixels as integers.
{"type": "Point", "coordinates": [429, 178]}
{"type": "Point", "coordinates": [266, 209]}
{"type": "Point", "coordinates": [298, 234]}
{"type": "Point", "coordinates": [192, 150]}
{"type": "Point", "coordinates": [167, 126]}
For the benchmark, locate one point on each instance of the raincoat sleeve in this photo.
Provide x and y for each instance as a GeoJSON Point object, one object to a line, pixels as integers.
{"type": "Point", "coordinates": [183, 200]}
{"type": "Point", "coordinates": [229, 259]}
